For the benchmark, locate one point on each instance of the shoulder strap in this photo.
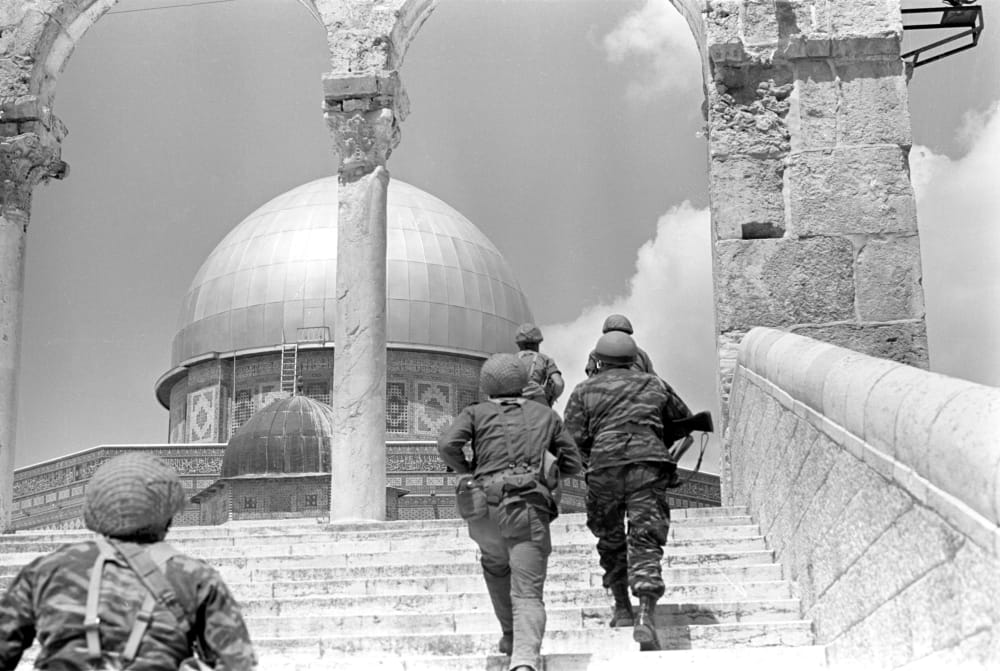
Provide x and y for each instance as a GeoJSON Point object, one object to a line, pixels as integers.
{"type": "Point", "coordinates": [148, 564]}
{"type": "Point", "coordinates": [91, 619]}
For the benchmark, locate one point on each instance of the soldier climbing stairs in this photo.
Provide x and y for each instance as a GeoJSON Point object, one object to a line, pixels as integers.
{"type": "Point", "coordinates": [408, 596]}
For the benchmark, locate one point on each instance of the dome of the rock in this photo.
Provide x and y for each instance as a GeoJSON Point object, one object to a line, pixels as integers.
{"type": "Point", "coordinates": [257, 322]}
{"type": "Point", "coordinates": [275, 273]}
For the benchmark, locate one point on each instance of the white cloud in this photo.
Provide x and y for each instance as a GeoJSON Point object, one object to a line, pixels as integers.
{"type": "Point", "coordinates": [657, 39]}
{"type": "Point", "coordinates": [958, 208]}
{"type": "Point", "coordinates": [669, 302]}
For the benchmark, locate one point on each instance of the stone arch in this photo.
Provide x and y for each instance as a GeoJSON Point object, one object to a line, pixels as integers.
{"type": "Point", "coordinates": [813, 214]}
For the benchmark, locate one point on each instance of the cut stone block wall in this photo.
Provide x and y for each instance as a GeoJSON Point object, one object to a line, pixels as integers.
{"type": "Point", "coordinates": [878, 486]}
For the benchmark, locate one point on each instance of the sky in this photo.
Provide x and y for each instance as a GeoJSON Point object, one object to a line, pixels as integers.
{"type": "Point", "coordinates": [569, 131]}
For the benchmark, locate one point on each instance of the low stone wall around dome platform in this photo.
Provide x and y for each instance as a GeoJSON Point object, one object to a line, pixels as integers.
{"type": "Point", "coordinates": [50, 495]}
{"type": "Point", "coordinates": [878, 486]}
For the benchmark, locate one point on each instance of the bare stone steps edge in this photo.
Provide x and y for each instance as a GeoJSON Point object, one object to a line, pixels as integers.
{"type": "Point", "coordinates": [591, 614]}
{"type": "Point", "coordinates": [452, 586]}
{"type": "Point", "coordinates": [603, 640]}
{"type": "Point", "coordinates": [381, 541]}
{"type": "Point", "coordinates": [799, 658]}
{"type": "Point", "coordinates": [676, 574]}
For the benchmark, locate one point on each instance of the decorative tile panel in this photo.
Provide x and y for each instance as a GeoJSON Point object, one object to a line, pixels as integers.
{"type": "Point", "coordinates": [202, 414]}
{"type": "Point", "coordinates": [397, 412]}
{"type": "Point", "coordinates": [433, 410]}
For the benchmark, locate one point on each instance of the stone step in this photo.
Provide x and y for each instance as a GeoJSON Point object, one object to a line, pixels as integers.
{"type": "Point", "coordinates": [393, 564]}
{"type": "Point", "coordinates": [800, 658]}
{"type": "Point", "coordinates": [265, 528]}
{"type": "Point", "coordinates": [741, 551]}
{"type": "Point", "coordinates": [387, 594]}
{"type": "Point", "coordinates": [677, 574]}
{"type": "Point", "coordinates": [366, 541]}
{"type": "Point", "coordinates": [765, 658]}
{"type": "Point", "coordinates": [746, 537]}
{"type": "Point", "coordinates": [480, 618]}
{"type": "Point", "coordinates": [270, 638]}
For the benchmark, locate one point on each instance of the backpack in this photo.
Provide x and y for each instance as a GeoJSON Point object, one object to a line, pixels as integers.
{"type": "Point", "coordinates": [148, 563]}
{"type": "Point", "coordinates": [539, 383]}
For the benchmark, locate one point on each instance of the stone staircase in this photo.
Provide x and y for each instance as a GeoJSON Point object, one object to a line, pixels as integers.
{"type": "Point", "coordinates": [408, 596]}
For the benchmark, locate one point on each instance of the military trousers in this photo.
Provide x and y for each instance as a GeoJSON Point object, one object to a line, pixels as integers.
{"type": "Point", "coordinates": [636, 492]}
{"type": "Point", "coordinates": [514, 555]}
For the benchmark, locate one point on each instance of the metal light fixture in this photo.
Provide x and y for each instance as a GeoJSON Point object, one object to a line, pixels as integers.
{"type": "Point", "coordinates": [959, 15]}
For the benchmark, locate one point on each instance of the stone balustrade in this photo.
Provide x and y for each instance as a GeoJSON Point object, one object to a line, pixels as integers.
{"type": "Point", "coordinates": [877, 485]}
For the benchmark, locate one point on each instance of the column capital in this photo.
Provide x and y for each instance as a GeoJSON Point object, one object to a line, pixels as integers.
{"type": "Point", "coordinates": [363, 113]}
{"type": "Point", "coordinates": [27, 159]}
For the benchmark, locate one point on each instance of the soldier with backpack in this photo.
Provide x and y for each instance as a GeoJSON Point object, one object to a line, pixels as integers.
{"type": "Point", "coordinates": [545, 382]}
{"type": "Point", "coordinates": [125, 600]}
{"type": "Point", "coordinates": [506, 494]}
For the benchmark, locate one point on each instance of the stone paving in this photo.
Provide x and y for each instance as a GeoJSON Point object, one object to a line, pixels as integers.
{"type": "Point", "coordinates": [408, 596]}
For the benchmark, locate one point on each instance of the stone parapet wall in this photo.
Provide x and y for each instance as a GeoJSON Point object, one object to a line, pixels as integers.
{"type": "Point", "coordinates": [877, 485]}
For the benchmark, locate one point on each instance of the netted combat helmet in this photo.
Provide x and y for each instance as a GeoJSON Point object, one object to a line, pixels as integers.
{"type": "Point", "coordinates": [502, 375]}
{"type": "Point", "coordinates": [615, 347]}
{"type": "Point", "coordinates": [133, 496]}
{"type": "Point", "coordinates": [617, 323]}
{"type": "Point", "coordinates": [528, 333]}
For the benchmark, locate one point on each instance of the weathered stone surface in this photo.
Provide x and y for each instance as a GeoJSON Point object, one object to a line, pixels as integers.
{"type": "Point", "coordinates": [881, 641]}
{"type": "Point", "coordinates": [883, 404]}
{"type": "Point", "coordinates": [905, 342]}
{"type": "Point", "coordinates": [918, 410]}
{"type": "Point", "coordinates": [784, 282]}
{"type": "Point", "coordinates": [812, 118]}
{"type": "Point", "coordinates": [963, 455]}
{"type": "Point", "coordinates": [759, 24]}
{"type": "Point", "coordinates": [865, 17]}
{"type": "Point", "coordinates": [746, 196]}
{"type": "Point", "coordinates": [747, 109]}
{"type": "Point", "coordinates": [914, 544]}
{"type": "Point", "coordinates": [889, 280]}
{"type": "Point", "coordinates": [873, 105]}
{"type": "Point", "coordinates": [874, 507]}
{"type": "Point", "coordinates": [850, 190]}
{"type": "Point", "coordinates": [789, 534]}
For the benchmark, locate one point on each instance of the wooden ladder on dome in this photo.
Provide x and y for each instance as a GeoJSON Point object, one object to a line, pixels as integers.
{"type": "Point", "coordinates": [289, 366]}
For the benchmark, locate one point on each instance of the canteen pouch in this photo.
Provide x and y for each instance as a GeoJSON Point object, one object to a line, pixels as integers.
{"type": "Point", "coordinates": [470, 499]}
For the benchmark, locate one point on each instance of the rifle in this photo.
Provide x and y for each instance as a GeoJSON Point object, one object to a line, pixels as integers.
{"type": "Point", "coordinates": [683, 428]}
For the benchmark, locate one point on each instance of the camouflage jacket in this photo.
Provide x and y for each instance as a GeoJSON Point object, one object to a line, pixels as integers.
{"type": "Point", "coordinates": [47, 599]}
{"type": "Point", "coordinates": [529, 426]}
{"type": "Point", "coordinates": [617, 417]}
{"type": "Point", "coordinates": [642, 363]}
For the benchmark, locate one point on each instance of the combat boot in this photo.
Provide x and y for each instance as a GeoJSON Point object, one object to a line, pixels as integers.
{"type": "Point", "coordinates": [644, 631]}
{"type": "Point", "coordinates": [623, 615]}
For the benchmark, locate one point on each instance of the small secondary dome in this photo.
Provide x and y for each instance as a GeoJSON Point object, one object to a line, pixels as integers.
{"type": "Point", "coordinates": [447, 285]}
{"type": "Point", "coordinates": [291, 435]}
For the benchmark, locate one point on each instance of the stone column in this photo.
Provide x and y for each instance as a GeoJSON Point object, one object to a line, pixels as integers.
{"type": "Point", "coordinates": [362, 113]}
{"type": "Point", "coordinates": [26, 158]}
{"type": "Point", "coordinates": [813, 214]}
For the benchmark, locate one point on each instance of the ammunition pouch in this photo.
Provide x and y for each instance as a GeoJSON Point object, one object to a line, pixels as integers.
{"type": "Point", "coordinates": [470, 499]}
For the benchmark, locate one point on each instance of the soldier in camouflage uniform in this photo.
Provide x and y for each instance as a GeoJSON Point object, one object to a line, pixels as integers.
{"type": "Point", "coordinates": [545, 383]}
{"type": "Point", "coordinates": [621, 323]}
{"type": "Point", "coordinates": [508, 434]}
{"type": "Point", "coordinates": [617, 418]}
{"type": "Point", "coordinates": [131, 500]}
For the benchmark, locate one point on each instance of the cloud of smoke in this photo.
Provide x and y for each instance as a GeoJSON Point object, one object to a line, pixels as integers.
{"type": "Point", "coordinates": [958, 209]}
{"type": "Point", "coordinates": [669, 302]}
{"type": "Point", "coordinates": [658, 40]}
